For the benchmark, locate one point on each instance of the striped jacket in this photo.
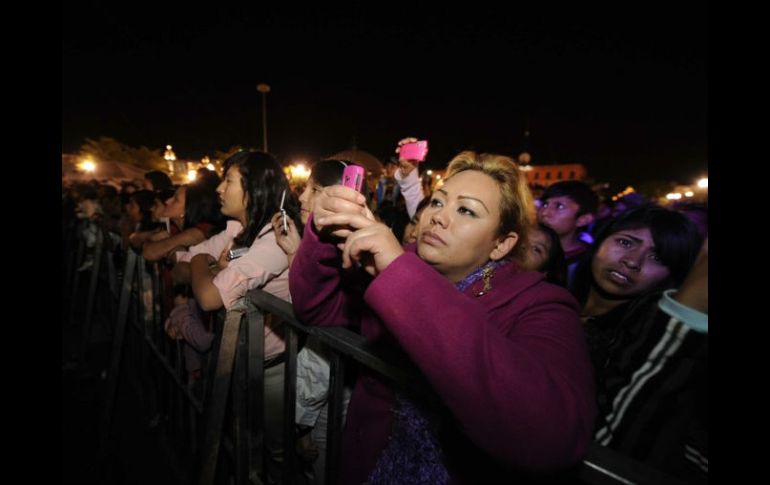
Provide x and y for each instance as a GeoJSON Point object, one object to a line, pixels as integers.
{"type": "Point", "coordinates": [652, 387]}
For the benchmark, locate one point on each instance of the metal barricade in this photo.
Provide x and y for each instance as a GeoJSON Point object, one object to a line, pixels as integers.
{"type": "Point", "coordinates": [233, 411]}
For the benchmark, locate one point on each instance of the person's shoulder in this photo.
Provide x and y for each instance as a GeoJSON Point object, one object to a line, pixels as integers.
{"type": "Point", "coordinates": [531, 286]}
{"type": "Point", "coordinates": [549, 292]}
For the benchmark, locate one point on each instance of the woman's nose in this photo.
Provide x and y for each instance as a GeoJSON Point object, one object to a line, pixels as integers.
{"type": "Point", "coordinates": [439, 217]}
{"type": "Point", "coordinates": [632, 261]}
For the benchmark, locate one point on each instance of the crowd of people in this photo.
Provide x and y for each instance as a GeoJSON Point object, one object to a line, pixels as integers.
{"type": "Point", "coordinates": [541, 324]}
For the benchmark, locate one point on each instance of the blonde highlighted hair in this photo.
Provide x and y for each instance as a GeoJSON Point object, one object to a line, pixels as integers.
{"type": "Point", "coordinates": [517, 207]}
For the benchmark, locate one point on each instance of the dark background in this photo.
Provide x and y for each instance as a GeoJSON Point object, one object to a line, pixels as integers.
{"type": "Point", "coordinates": [621, 88]}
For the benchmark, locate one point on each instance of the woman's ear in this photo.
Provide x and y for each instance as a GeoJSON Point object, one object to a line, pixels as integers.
{"type": "Point", "coordinates": [504, 246]}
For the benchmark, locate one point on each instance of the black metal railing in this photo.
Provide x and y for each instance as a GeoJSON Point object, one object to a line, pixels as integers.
{"type": "Point", "coordinates": [232, 411]}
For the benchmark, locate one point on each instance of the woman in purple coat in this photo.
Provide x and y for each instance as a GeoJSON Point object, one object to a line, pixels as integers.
{"type": "Point", "coordinates": [502, 350]}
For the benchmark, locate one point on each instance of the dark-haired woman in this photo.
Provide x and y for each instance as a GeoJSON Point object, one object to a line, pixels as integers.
{"type": "Point", "coordinates": [250, 194]}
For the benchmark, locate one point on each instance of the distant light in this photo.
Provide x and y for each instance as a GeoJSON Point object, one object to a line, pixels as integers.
{"type": "Point", "coordinates": [88, 166]}
{"type": "Point", "coordinates": [211, 167]}
{"type": "Point", "coordinates": [438, 177]}
{"type": "Point", "coordinates": [169, 154]}
{"type": "Point", "coordinates": [191, 175]}
{"type": "Point", "coordinates": [688, 193]}
{"type": "Point", "coordinates": [299, 172]}
{"type": "Point", "coordinates": [674, 196]}
{"type": "Point", "coordinates": [429, 172]}
{"type": "Point", "coordinates": [703, 183]}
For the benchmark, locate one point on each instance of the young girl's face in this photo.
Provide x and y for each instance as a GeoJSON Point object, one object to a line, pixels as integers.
{"type": "Point", "coordinates": [537, 250]}
{"type": "Point", "coordinates": [158, 210]}
{"type": "Point", "coordinates": [176, 204]}
{"type": "Point", "coordinates": [627, 265]}
{"type": "Point", "coordinates": [231, 195]}
{"type": "Point", "coordinates": [307, 198]}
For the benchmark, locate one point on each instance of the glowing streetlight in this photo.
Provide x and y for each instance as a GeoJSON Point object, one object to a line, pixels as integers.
{"type": "Point", "coordinates": [703, 183]}
{"type": "Point", "coordinates": [674, 196]}
{"type": "Point", "coordinates": [264, 89]}
{"type": "Point", "coordinates": [689, 193]}
{"type": "Point", "coordinates": [88, 166]}
{"type": "Point", "coordinates": [206, 162]}
{"type": "Point", "coordinates": [299, 172]}
{"type": "Point", "coordinates": [429, 172]}
{"type": "Point", "coordinates": [191, 175]}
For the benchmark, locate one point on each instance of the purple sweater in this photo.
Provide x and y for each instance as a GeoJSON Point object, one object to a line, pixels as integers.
{"type": "Point", "coordinates": [512, 366]}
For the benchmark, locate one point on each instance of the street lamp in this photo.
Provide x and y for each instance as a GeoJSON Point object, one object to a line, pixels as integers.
{"type": "Point", "coordinates": [88, 165]}
{"type": "Point", "coordinates": [264, 89]}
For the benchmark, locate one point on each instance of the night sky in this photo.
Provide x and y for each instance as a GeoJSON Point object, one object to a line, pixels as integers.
{"type": "Point", "coordinates": [621, 89]}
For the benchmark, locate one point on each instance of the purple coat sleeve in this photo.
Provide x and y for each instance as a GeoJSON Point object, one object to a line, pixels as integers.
{"type": "Point", "coordinates": [514, 371]}
{"type": "Point", "coordinates": [315, 281]}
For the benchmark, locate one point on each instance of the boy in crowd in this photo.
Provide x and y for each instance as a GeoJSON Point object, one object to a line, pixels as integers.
{"type": "Point", "coordinates": [569, 207]}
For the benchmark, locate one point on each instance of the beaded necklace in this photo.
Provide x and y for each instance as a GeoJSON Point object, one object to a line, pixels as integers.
{"type": "Point", "coordinates": [485, 272]}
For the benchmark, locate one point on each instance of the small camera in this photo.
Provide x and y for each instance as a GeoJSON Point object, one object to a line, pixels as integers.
{"type": "Point", "coordinates": [236, 253]}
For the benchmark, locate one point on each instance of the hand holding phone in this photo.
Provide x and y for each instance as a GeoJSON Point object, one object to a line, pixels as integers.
{"type": "Point", "coordinates": [415, 151]}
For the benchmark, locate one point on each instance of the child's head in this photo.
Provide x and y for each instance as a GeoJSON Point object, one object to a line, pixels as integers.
{"type": "Point", "coordinates": [568, 207]}
{"type": "Point", "coordinates": [544, 253]}
{"type": "Point", "coordinates": [181, 294]}
{"type": "Point", "coordinates": [323, 174]}
{"type": "Point", "coordinates": [410, 231]}
{"type": "Point", "coordinates": [139, 208]}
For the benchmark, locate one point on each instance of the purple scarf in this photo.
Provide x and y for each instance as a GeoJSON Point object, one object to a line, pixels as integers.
{"type": "Point", "coordinates": [413, 454]}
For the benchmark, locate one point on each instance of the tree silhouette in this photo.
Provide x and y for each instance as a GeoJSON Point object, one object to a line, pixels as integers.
{"type": "Point", "coordinates": [106, 148]}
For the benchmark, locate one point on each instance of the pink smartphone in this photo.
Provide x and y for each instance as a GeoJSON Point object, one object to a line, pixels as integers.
{"type": "Point", "coordinates": [353, 177]}
{"type": "Point", "coordinates": [414, 151]}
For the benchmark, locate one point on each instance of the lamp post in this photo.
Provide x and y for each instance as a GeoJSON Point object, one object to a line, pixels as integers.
{"type": "Point", "coordinates": [264, 89]}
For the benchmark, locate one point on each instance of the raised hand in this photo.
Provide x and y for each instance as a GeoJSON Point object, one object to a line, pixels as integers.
{"type": "Point", "coordinates": [404, 141]}
{"type": "Point", "coordinates": [338, 200]}
{"type": "Point", "coordinates": [289, 242]}
{"type": "Point", "coordinates": [172, 330]}
{"type": "Point", "coordinates": [371, 245]}
{"type": "Point", "coordinates": [406, 166]}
